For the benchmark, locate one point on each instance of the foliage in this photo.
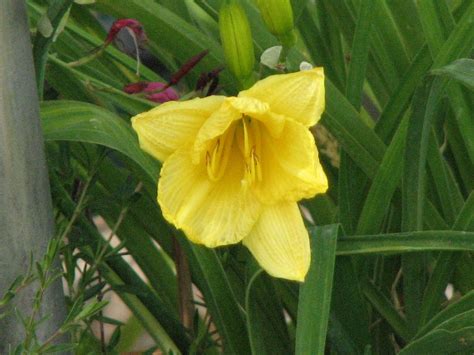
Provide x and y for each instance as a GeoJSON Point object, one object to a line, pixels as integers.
{"type": "Point", "coordinates": [393, 232]}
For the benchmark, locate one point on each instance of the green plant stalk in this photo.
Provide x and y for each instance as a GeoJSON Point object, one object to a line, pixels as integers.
{"type": "Point", "coordinates": [406, 242]}
{"type": "Point", "coordinates": [444, 267]}
{"type": "Point", "coordinates": [425, 103]}
{"type": "Point", "coordinates": [437, 17]}
{"type": "Point", "coordinates": [352, 180]}
{"type": "Point", "coordinates": [146, 306]}
{"type": "Point", "coordinates": [386, 309]}
{"type": "Point", "coordinates": [315, 292]}
{"type": "Point", "coordinates": [26, 222]}
{"type": "Point", "coordinates": [55, 13]}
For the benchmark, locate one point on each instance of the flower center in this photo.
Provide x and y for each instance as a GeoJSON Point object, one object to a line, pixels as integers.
{"type": "Point", "coordinates": [243, 135]}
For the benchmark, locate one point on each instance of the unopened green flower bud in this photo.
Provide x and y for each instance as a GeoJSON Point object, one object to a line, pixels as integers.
{"type": "Point", "coordinates": [236, 39]}
{"type": "Point", "coordinates": [278, 17]}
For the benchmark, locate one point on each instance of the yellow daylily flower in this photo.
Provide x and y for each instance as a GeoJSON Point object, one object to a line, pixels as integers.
{"type": "Point", "coordinates": [235, 167]}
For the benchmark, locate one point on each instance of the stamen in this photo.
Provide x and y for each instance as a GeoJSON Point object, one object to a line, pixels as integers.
{"type": "Point", "coordinates": [246, 137]}
{"type": "Point", "coordinates": [257, 165]}
{"type": "Point", "coordinates": [218, 157]}
{"type": "Point", "coordinates": [249, 142]}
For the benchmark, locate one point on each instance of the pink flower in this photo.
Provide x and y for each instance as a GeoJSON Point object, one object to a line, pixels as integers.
{"type": "Point", "coordinates": [155, 91]}
{"type": "Point", "coordinates": [160, 92]}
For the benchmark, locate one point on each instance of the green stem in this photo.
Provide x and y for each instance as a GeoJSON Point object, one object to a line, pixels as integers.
{"type": "Point", "coordinates": [55, 13]}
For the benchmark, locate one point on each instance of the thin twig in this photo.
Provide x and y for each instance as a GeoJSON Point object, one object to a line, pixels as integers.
{"type": "Point", "coordinates": [100, 297]}
{"type": "Point", "coordinates": [185, 290]}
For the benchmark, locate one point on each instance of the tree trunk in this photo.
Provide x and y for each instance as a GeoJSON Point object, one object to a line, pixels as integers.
{"type": "Point", "coordinates": [26, 222]}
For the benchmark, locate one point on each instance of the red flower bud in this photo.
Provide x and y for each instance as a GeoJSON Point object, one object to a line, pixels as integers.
{"type": "Point", "coordinates": [129, 23]}
{"type": "Point", "coordinates": [209, 80]}
{"type": "Point", "coordinates": [156, 91]}
{"type": "Point", "coordinates": [135, 88]}
{"type": "Point", "coordinates": [186, 67]}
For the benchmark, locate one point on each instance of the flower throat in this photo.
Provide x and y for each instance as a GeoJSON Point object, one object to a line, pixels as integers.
{"type": "Point", "coordinates": [243, 135]}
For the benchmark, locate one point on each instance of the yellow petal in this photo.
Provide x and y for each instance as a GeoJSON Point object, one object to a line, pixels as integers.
{"type": "Point", "coordinates": [290, 166]}
{"type": "Point", "coordinates": [259, 110]}
{"type": "Point", "coordinates": [173, 124]}
{"type": "Point", "coordinates": [210, 213]}
{"type": "Point", "coordinates": [280, 243]}
{"type": "Point", "coordinates": [214, 126]}
{"type": "Point", "coordinates": [297, 95]}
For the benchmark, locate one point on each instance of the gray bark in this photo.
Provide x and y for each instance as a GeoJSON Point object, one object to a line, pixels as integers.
{"type": "Point", "coordinates": [26, 222]}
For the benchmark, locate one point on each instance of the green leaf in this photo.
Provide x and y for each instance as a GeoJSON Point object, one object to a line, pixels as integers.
{"type": "Point", "coordinates": [413, 190]}
{"type": "Point", "coordinates": [406, 242]}
{"type": "Point", "coordinates": [398, 102]}
{"type": "Point", "coordinates": [465, 218]}
{"type": "Point", "coordinates": [390, 40]}
{"type": "Point", "coordinates": [425, 105]}
{"type": "Point", "coordinates": [81, 122]}
{"type": "Point", "coordinates": [351, 190]}
{"type": "Point", "coordinates": [386, 310]}
{"type": "Point", "coordinates": [384, 184]}
{"type": "Point", "coordinates": [318, 50]}
{"type": "Point", "coordinates": [338, 338]}
{"type": "Point", "coordinates": [443, 268]}
{"type": "Point", "coordinates": [405, 16]}
{"type": "Point", "coordinates": [59, 348]}
{"type": "Point", "coordinates": [436, 21]}
{"type": "Point", "coordinates": [322, 209]}
{"type": "Point", "coordinates": [315, 292]}
{"type": "Point", "coordinates": [445, 184]}
{"type": "Point", "coordinates": [459, 43]}
{"type": "Point", "coordinates": [325, 30]}
{"type": "Point", "coordinates": [265, 321]}
{"type": "Point", "coordinates": [90, 309]}
{"type": "Point", "coordinates": [55, 13]}
{"type": "Point", "coordinates": [463, 278]}
{"type": "Point", "coordinates": [209, 275]}
{"type": "Point", "coordinates": [462, 161]}
{"type": "Point", "coordinates": [357, 139]}
{"type": "Point", "coordinates": [454, 335]}
{"type": "Point", "coordinates": [461, 70]}
{"type": "Point", "coordinates": [465, 304]}
{"type": "Point", "coordinates": [114, 339]}
{"type": "Point", "coordinates": [359, 53]}
{"type": "Point", "coordinates": [443, 342]}
{"type": "Point", "coordinates": [383, 70]}
{"type": "Point", "coordinates": [298, 8]}
{"type": "Point", "coordinates": [352, 181]}
{"type": "Point", "coordinates": [349, 321]}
